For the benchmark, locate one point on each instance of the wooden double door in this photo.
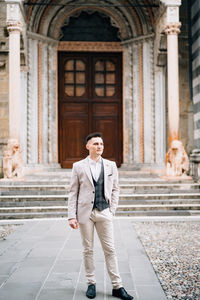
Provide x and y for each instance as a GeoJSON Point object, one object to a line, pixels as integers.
{"type": "Point", "coordinates": [90, 100]}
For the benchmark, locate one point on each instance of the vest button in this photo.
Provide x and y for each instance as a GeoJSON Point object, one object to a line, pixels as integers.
{"type": "Point", "coordinates": [92, 202]}
{"type": "Point", "coordinates": [93, 192]}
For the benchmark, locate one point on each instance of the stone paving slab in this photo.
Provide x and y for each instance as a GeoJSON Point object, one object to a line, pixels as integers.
{"type": "Point", "coordinates": [42, 260]}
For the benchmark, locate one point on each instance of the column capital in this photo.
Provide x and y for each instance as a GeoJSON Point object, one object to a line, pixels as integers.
{"type": "Point", "coordinates": [14, 26]}
{"type": "Point", "coordinates": [173, 28]}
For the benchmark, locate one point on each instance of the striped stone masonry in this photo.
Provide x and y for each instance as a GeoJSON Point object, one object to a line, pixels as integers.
{"type": "Point", "coordinates": [195, 24]}
{"type": "Point", "coordinates": [195, 37]}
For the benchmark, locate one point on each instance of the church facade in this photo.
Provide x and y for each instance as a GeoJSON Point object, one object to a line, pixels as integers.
{"type": "Point", "coordinates": [125, 69]}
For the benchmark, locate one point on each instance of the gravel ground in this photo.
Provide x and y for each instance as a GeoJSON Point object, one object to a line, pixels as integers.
{"type": "Point", "coordinates": [6, 230]}
{"type": "Point", "coordinates": [174, 251]}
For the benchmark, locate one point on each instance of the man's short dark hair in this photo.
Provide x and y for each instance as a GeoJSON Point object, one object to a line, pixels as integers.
{"type": "Point", "coordinates": [94, 134]}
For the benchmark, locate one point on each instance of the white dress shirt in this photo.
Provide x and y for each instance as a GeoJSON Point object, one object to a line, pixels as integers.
{"type": "Point", "coordinates": [95, 168]}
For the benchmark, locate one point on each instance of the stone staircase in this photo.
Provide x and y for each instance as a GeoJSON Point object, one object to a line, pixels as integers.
{"type": "Point", "coordinates": [45, 195]}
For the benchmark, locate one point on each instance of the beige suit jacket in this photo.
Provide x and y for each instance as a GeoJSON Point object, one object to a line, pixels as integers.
{"type": "Point", "coordinates": [82, 191]}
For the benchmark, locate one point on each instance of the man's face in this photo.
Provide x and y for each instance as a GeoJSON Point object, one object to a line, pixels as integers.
{"type": "Point", "coordinates": [95, 146]}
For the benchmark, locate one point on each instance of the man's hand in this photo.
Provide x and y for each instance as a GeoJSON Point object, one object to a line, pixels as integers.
{"type": "Point", "coordinates": [73, 223]}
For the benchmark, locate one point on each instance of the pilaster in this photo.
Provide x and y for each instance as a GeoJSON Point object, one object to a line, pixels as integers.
{"type": "Point", "coordinates": [139, 105]}
{"type": "Point", "coordinates": [32, 103]}
{"type": "Point", "coordinates": [52, 106]}
{"type": "Point", "coordinates": [160, 113]}
{"type": "Point", "coordinates": [136, 104]}
{"type": "Point", "coordinates": [42, 111]}
{"type": "Point", "coordinates": [128, 105]}
{"type": "Point", "coordinates": [149, 105]}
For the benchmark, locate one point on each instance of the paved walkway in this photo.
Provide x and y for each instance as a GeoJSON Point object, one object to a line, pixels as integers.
{"type": "Point", "coordinates": [42, 260]}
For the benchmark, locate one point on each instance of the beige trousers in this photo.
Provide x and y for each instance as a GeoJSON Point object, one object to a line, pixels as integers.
{"type": "Point", "coordinates": [102, 221]}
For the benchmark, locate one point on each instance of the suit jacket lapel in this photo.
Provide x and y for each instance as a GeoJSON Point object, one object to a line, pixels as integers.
{"type": "Point", "coordinates": [87, 170]}
{"type": "Point", "coordinates": [106, 173]}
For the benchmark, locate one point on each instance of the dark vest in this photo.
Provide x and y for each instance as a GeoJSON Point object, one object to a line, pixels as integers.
{"type": "Point", "coordinates": [99, 201]}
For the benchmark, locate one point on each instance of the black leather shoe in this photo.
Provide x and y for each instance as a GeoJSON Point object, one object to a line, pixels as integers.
{"type": "Point", "coordinates": [91, 291]}
{"type": "Point", "coordinates": [121, 293]}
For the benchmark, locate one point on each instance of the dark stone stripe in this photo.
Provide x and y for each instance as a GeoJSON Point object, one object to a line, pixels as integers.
{"type": "Point", "coordinates": [197, 107]}
{"type": "Point", "coordinates": [196, 72]}
{"type": "Point", "coordinates": [196, 35]}
{"type": "Point", "coordinates": [196, 90]}
{"type": "Point", "coordinates": [192, 2]}
{"type": "Point", "coordinates": [196, 53]}
{"type": "Point", "coordinates": [195, 18]}
{"type": "Point", "coordinates": [197, 124]}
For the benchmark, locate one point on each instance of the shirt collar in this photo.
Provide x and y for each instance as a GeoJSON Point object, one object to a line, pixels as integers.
{"type": "Point", "coordinates": [91, 161]}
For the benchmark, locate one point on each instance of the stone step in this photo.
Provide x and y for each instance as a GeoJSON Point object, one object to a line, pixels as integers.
{"type": "Point", "coordinates": [46, 196]}
{"type": "Point", "coordinates": [158, 213]}
{"type": "Point", "coordinates": [163, 196]}
{"type": "Point", "coordinates": [33, 209]}
{"type": "Point", "coordinates": [32, 215]}
{"type": "Point", "coordinates": [65, 191]}
{"type": "Point", "coordinates": [60, 211]}
{"type": "Point", "coordinates": [129, 188]}
{"type": "Point", "coordinates": [144, 207]}
{"type": "Point", "coordinates": [66, 180]}
{"type": "Point", "coordinates": [47, 202]}
{"type": "Point", "coordinates": [122, 197]}
{"type": "Point", "coordinates": [159, 186]}
{"type": "Point", "coordinates": [28, 192]}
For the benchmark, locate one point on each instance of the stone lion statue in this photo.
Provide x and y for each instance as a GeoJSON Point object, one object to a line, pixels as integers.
{"type": "Point", "coordinates": [177, 162]}
{"type": "Point", "coordinates": [12, 160]}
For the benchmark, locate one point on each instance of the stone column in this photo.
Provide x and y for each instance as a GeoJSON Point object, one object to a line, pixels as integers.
{"type": "Point", "coordinates": [12, 160]}
{"type": "Point", "coordinates": [177, 163]}
{"type": "Point", "coordinates": [172, 30]}
{"type": "Point", "coordinates": [14, 29]}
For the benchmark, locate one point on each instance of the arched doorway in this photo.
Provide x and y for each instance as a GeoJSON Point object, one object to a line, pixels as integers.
{"type": "Point", "coordinates": [89, 90]}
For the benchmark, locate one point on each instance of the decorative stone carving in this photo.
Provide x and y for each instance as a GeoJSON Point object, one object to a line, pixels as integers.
{"type": "Point", "coordinates": [90, 46]}
{"type": "Point", "coordinates": [177, 162]}
{"type": "Point", "coordinates": [2, 63]}
{"type": "Point", "coordinates": [12, 160]}
{"type": "Point", "coordinates": [173, 28]}
{"type": "Point", "coordinates": [14, 26]}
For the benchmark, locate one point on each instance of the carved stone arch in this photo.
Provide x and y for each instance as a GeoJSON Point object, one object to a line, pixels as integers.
{"type": "Point", "coordinates": [130, 15]}
{"type": "Point", "coordinates": [108, 23]}
{"type": "Point", "coordinates": [35, 17]}
{"type": "Point", "coordinates": [146, 17]}
{"type": "Point", "coordinates": [125, 18]}
{"type": "Point", "coordinates": [132, 21]}
{"type": "Point", "coordinates": [119, 21]}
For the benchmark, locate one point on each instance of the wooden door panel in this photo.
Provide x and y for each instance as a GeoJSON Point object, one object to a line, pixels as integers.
{"type": "Point", "coordinates": [90, 99]}
{"type": "Point", "coordinates": [108, 127]}
{"type": "Point", "coordinates": [73, 134]}
{"type": "Point", "coordinates": [68, 110]}
{"type": "Point", "coordinates": [102, 109]}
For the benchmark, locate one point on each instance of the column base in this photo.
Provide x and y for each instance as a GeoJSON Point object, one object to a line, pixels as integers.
{"type": "Point", "coordinates": [195, 164]}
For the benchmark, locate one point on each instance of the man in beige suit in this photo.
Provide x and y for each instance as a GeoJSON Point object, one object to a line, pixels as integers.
{"type": "Point", "coordinates": [93, 199]}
